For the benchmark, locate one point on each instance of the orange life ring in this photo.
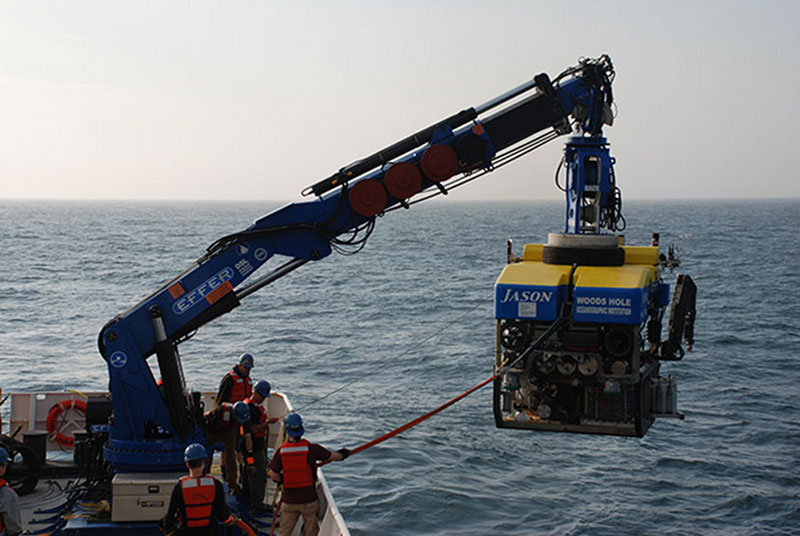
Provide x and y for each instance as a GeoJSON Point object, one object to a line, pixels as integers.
{"type": "Point", "coordinates": [53, 429]}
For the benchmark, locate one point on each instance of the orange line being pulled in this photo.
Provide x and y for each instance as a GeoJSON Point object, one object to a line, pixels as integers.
{"type": "Point", "coordinates": [553, 327]}
{"type": "Point", "coordinates": [418, 420]}
{"type": "Point", "coordinates": [246, 528]}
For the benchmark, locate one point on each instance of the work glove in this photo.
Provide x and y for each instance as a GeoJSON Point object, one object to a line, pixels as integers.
{"type": "Point", "coordinates": [344, 452]}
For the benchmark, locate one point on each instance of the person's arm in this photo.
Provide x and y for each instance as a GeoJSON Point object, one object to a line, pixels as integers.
{"type": "Point", "coordinates": [255, 418]}
{"type": "Point", "coordinates": [225, 389]}
{"type": "Point", "coordinates": [322, 454]}
{"type": "Point", "coordinates": [219, 510]}
{"type": "Point", "coordinates": [275, 467]}
{"type": "Point", "coordinates": [211, 415]}
{"type": "Point", "coordinates": [9, 509]}
{"type": "Point", "coordinates": [270, 420]}
{"type": "Point", "coordinates": [247, 444]}
{"type": "Point", "coordinates": [260, 426]}
{"type": "Point", "coordinates": [169, 522]}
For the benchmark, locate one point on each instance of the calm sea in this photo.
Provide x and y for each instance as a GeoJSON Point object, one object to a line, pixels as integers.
{"type": "Point", "coordinates": [413, 311]}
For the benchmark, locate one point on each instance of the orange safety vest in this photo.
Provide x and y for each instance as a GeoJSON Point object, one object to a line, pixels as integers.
{"type": "Point", "coordinates": [2, 485]}
{"type": "Point", "coordinates": [223, 420]}
{"type": "Point", "coordinates": [297, 473]}
{"type": "Point", "coordinates": [242, 386]}
{"type": "Point", "coordinates": [262, 417]}
{"type": "Point", "coordinates": [198, 499]}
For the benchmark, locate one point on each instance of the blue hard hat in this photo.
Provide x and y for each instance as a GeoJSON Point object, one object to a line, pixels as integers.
{"type": "Point", "coordinates": [263, 388]}
{"type": "Point", "coordinates": [241, 412]}
{"type": "Point", "coordinates": [294, 425]}
{"type": "Point", "coordinates": [194, 452]}
{"type": "Point", "coordinates": [3, 456]}
{"type": "Point", "coordinates": [246, 360]}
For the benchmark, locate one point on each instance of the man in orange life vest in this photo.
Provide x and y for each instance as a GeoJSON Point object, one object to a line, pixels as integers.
{"type": "Point", "coordinates": [234, 387]}
{"type": "Point", "coordinates": [254, 432]}
{"type": "Point", "coordinates": [197, 504]}
{"type": "Point", "coordinates": [295, 463]}
{"type": "Point", "coordinates": [10, 522]}
{"type": "Point", "coordinates": [219, 428]}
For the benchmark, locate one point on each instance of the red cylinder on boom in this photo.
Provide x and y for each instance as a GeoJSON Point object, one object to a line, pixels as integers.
{"type": "Point", "coordinates": [403, 180]}
{"type": "Point", "coordinates": [439, 162]}
{"type": "Point", "coordinates": [368, 198]}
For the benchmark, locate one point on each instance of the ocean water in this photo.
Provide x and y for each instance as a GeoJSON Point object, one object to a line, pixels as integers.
{"type": "Point", "coordinates": [411, 316]}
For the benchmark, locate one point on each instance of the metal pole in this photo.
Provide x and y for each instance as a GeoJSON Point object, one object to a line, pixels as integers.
{"type": "Point", "coordinates": [507, 96]}
{"type": "Point", "coordinates": [270, 277]}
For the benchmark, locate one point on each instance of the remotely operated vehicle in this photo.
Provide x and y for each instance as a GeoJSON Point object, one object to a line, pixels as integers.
{"type": "Point", "coordinates": [573, 316]}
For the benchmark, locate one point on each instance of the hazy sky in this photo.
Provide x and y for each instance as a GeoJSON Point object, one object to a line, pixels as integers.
{"type": "Point", "coordinates": [256, 100]}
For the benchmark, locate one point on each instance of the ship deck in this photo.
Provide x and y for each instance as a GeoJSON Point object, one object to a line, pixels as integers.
{"type": "Point", "coordinates": [48, 507]}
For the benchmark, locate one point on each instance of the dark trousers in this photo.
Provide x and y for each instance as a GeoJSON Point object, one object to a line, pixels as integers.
{"type": "Point", "coordinates": [254, 480]}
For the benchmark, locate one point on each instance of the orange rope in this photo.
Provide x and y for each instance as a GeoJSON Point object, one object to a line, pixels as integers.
{"type": "Point", "coordinates": [418, 420]}
{"type": "Point", "coordinates": [275, 517]}
{"type": "Point", "coordinates": [245, 527]}
{"type": "Point", "coordinates": [542, 338]}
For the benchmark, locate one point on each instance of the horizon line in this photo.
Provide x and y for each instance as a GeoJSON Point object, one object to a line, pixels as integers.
{"type": "Point", "coordinates": [309, 199]}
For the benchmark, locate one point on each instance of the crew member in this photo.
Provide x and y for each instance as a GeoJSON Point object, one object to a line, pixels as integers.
{"type": "Point", "coordinates": [10, 521]}
{"type": "Point", "coordinates": [295, 463]}
{"type": "Point", "coordinates": [254, 445]}
{"type": "Point", "coordinates": [234, 387]}
{"type": "Point", "coordinates": [197, 504]}
{"type": "Point", "coordinates": [219, 428]}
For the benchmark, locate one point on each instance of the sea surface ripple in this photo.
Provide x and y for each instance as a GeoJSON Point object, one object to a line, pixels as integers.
{"type": "Point", "coordinates": [411, 316]}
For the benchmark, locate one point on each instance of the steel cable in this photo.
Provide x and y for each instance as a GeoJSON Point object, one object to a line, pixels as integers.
{"type": "Point", "coordinates": [408, 350]}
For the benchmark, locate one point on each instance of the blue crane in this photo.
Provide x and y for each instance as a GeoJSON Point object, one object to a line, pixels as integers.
{"type": "Point", "coordinates": [152, 426]}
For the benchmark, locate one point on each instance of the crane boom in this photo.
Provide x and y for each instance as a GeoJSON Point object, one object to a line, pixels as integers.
{"type": "Point", "coordinates": [151, 427]}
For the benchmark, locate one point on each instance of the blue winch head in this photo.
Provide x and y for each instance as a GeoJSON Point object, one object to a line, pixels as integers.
{"type": "Point", "coordinates": [195, 452]}
{"type": "Point", "coordinates": [592, 201]}
{"type": "Point", "coordinates": [294, 425]}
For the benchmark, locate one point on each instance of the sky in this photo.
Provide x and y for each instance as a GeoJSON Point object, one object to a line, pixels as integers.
{"type": "Point", "coordinates": [255, 100]}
